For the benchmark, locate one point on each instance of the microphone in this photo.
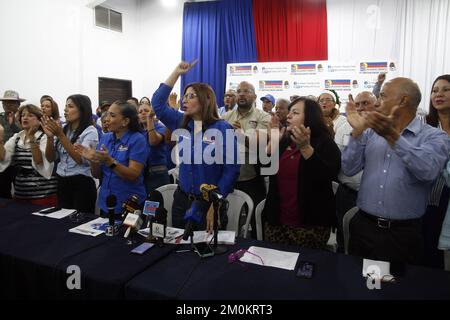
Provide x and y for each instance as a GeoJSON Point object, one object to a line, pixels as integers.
{"type": "Point", "coordinates": [154, 201]}
{"type": "Point", "coordinates": [161, 216]}
{"type": "Point", "coordinates": [159, 225]}
{"type": "Point", "coordinates": [130, 205]}
{"type": "Point", "coordinates": [111, 202]}
{"type": "Point", "coordinates": [210, 192]}
{"type": "Point", "coordinates": [156, 214]}
{"type": "Point", "coordinates": [132, 221]}
{"type": "Point", "coordinates": [193, 216]}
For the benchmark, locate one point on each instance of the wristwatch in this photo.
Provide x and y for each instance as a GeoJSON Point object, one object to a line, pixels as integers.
{"type": "Point", "coordinates": [113, 165]}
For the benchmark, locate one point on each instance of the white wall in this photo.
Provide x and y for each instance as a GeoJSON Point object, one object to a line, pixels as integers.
{"type": "Point", "coordinates": [53, 47]}
{"type": "Point", "coordinates": [161, 36]}
{"type": "Point", "coordinates": [412, 32]}
{"type": "Point", "coordinates": [107, 53]}
{"type": "Point", "coordinates": [40, 50]}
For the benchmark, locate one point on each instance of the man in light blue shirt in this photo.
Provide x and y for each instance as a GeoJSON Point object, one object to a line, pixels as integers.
{"type": "Point", "coordinates": [401, 157]}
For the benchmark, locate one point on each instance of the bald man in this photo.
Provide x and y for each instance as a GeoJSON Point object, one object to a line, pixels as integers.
{"type": "Point", "coordinates": [229, 102]}
{"type": "Point", "coordinates": [246, 116]}
{"type": "Point", "coordinates": [282, 111]}
{"type": "Point", "coordinates": [365, 101]}
{"type": "Point", "coordinates": [401, 157]}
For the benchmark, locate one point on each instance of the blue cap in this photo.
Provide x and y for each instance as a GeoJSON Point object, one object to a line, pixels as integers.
{"type": "Point", "coordinates": [269, 97]}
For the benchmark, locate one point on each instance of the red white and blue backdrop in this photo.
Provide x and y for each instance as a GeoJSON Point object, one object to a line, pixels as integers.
{"type": "Point", "coordinates": [236, 31]}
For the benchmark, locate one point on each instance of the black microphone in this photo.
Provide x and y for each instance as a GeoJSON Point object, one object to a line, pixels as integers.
{"type": "Point", "coordinates": [111, 202]}
{"type": "Point", "coordinates": [193, 216]}
{"type": "Point", "coordinates": [154, 201]}
{"type": "Point", "coordinates": [161, 216]}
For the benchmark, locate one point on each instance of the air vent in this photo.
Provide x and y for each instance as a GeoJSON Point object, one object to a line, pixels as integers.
{"type": "Point", "coordinates": [108, 19]}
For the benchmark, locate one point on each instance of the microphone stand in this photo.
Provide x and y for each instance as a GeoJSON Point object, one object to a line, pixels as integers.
{"type": "Point", "coordinates": [218, 249]}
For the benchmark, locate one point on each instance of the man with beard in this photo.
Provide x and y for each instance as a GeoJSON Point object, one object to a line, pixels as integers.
{"type": "Point", "coordinates": [245, 118]}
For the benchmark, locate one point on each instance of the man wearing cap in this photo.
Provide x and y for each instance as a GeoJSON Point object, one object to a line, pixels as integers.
{"type": "Point", "coordinates": [268, 103]}
{"type": "Point", "coordinates": [9, 125]}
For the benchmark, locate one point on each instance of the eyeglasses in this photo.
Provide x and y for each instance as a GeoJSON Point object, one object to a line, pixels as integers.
{"type": "Point", "coordinates": [327, 100]}
{"type": "Point", "coordinates": [189, 96]}
{"type": "Point", "coordinates": [246, 91]}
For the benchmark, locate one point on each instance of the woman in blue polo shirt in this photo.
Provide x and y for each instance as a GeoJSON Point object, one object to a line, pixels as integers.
{"type": "Point", "coordinates": [156, 174]}
{"type": "Point", "coordinates": [76, 187]}
{"type": "Point", "coordinates": [199, 123]}
{"type": "Point", "coordinates": [120, 157]}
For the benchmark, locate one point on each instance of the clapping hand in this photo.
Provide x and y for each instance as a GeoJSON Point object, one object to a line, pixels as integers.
{"type": "Point", "coordinates": [89, 153]}
{"type": "Point", "coordinates": [383, 124]}
{"type": "Point", "coordinates": [51, 127]}
{"type": "Point", "coordinates": [2, 133]}
{"type": "Point", "coordinates": [356, 120]}
{"type": "Point", "coordinates": [301, 136]}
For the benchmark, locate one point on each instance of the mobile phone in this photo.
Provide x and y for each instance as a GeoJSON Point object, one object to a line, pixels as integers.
{"type": "Point", "coordinates": [203, 249]}
{"type": "Point", "coordinates": [142, 248]}
{"type": "Point", "coordinates": [305, 270]}
{"type": "Point", "coordinates": [49, 210]}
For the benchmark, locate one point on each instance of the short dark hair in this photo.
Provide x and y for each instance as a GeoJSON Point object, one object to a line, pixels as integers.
{"type": "Point", "coordinates": [129, 111]}
{"type": "Point", "coordinates": [134, 99]}
{"type": "Point", "coordinates": [149, 101]}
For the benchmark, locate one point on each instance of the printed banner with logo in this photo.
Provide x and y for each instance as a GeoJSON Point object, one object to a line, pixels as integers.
{"type": "Point", "coordinates": [284, 79]}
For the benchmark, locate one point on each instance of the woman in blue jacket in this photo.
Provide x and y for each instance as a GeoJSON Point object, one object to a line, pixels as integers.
{"type": "Point", "coordinates": [202, 133]}
{"type": "Point", "coordinates": [120, 157]}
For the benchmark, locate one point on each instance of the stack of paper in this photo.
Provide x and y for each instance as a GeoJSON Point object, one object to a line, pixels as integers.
{"type": "Point", "coordinates": [92, 228]}
{"type": "Point", "coordinates": [57, 214]}
{"type": "Point", "coordinates": [271, 258]}
{"type": "Point", "coordinates": [174, 236]}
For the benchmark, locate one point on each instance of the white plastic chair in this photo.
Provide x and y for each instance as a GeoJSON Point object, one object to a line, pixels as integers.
{"type": "Point", "coordinates": [335, 186]}
{"type": "Point", "coordinates": [258, 212]}
{"type": "Point", "coordinates": [236, 201]}
{"type": "Point", "coordinates": [167, 192]}
{"type": "Point", "coordinates": [345, 225]}
{"type": "Point", "coordinates": [174, 173]}
{"type": "Point", "coordinates": [266, 182]}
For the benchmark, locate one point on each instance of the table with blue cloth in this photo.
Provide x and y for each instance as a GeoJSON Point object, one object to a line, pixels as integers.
{"type": "Point", "coordinates": [336, 276]}
{"type": "Point", "coordinates": [35, 253]}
